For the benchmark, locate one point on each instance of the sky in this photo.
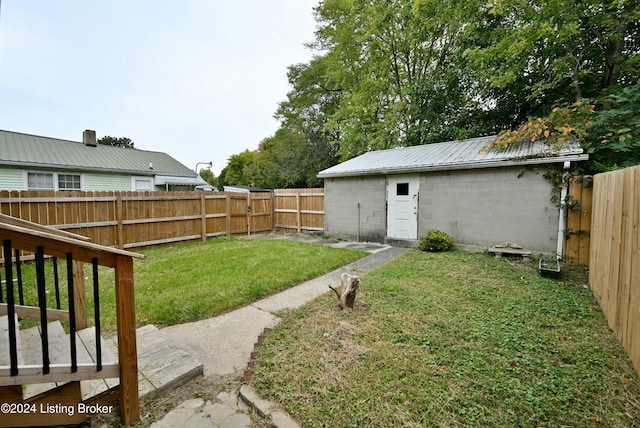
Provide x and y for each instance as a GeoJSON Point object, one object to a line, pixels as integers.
{"type": "Point", "coordinates": [197, 79]}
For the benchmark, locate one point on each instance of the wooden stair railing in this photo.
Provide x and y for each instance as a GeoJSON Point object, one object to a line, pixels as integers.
{"type": "Point", "coordinates": [40, 240]}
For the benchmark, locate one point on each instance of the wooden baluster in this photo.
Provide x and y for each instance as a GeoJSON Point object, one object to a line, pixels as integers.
{"type": "Point", "coordinates": [42, 303]}
{"type": "Point", "coordinates": [13, 340]}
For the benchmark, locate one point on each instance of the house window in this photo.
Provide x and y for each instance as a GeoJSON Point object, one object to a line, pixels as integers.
{"type": "Point", "coordinates": [53, 181]}
{"type": "Point", "coordinates": [69, 182]}
{"type": "Point", "coordinates": [402, 189]}
{"type": "Point", "coordinates": [40, 181]}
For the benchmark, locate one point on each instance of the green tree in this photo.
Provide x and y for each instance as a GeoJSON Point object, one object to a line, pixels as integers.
{"type": "Point", "coordinates": [608, 129]}
{"type": "Point", "coordinates": [235, 173]}
{"type": "Point", "coordinates": [311, 103]}
{"type": "Point", "coordinates": [290, 160]}
{"type": "Point", "coordinates": [208, 176]}
{"type": "Point", "coordinates": [398, 72]}
{"type": "Point", "coordinates": [220, 180]}
{"type": "Point", "coordinates": [554, 51]}
{"type": "Point", "coordinates": [615, 131]}
{"type": "Point", "coordinates": [108, 140]}
{"type": "Point", "coordinates": [405, 72]}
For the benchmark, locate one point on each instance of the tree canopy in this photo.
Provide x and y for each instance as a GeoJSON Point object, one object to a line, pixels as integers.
{"type": "Point", "coordinates": [208, 176]}
{"type": "Point", "coordinates": [407, 72]}
{"type": "Point", "coordinates": [610, 135]}
{"type": "Point", "coordinates": [108, 140]}
{"type": "Point", "coordinates": [286, 160]}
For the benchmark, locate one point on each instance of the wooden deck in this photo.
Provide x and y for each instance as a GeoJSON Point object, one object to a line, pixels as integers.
{"type": "Point", "coordinates": [30, 361]}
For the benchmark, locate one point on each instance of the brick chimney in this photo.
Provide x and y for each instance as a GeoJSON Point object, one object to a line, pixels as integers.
{"type": "Point", "coordinates": [89, 138]}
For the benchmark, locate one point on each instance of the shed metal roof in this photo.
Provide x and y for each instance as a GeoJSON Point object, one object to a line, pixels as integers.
{"type": "Point", "coordinates": [21, 150]}
{"type": "Point", "coordinates": [452, 155]}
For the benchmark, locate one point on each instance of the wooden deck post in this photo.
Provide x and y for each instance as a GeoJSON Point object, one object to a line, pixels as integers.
{"type": "Point", "coordinates": [127, 352]}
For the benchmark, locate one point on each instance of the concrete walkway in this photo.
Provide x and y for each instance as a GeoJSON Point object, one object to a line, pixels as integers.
{"type": "Point", "coordinates": [224, 344]}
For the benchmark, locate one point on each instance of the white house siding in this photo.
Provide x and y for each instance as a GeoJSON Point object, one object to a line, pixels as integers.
{"type": "Point", "coordinates": [342, 196]}
{"type": "Point", "coordinates": [485, 207]}
{"type": "Point", "coordinates": [106, 182]}
{"type": "Point", "coordinates": [12, 179]}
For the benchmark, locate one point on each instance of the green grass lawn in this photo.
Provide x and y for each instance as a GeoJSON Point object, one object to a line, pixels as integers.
{"type": "Point", "coordinates": [193, 281]}
{"type": "Point", "coordinates": [452, 339]}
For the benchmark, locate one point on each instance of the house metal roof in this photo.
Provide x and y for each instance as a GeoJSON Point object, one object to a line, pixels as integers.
{"type": "Point", "coordinates": [452, 155]}
{"type": "Point", "coordinates": [24, 150]}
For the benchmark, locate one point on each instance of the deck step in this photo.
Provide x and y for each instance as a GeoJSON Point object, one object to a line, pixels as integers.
{"type": "Point", "coordinates": [93, 387]}
{"type": "Point", "coordinates": [58, 344]}
{"type": "Point", "coordinates": [32, 350]}
{"type": "Point", "coordinates": [161, 364]}
{"type": "Point", "coordinates": [30, 356]}
{"type": "Point", "coordinates": [59, 353]}
{"type": "Point", "coordinates": [5, 359]}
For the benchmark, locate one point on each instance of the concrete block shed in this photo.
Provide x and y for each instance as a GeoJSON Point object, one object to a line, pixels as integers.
{"type": "Point", "coordinates": [480, 197]}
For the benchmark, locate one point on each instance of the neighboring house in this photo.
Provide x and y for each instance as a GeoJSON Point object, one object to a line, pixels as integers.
{"type": "Point", "coordinates": [480, 197]}
{"type": "Point", "coordinates": [31, 162]}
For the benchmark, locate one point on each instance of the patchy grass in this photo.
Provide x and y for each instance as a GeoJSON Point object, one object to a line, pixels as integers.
{"type": "Point", "coordinates": [189, 282]}
{"type": "Point", "coordinates": [452, 339]}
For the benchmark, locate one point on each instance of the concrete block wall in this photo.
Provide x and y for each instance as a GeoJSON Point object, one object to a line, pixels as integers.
{"type": "Point", "coordinates": [489, 206]}
{"type": "Point", "coordinates": [342, 196]}
{"type": "Point", "coordinates": [479, 208]}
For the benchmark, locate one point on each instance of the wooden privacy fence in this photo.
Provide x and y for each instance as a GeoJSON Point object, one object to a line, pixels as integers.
{"type": "Point", "coordinates": [140, 219]}
{"type": "Point", "coordinates": [578, 230]}
{"type": "Point", "coordinates": [614, 274]}
{"type": "Point", "coordinates": [299, 209]}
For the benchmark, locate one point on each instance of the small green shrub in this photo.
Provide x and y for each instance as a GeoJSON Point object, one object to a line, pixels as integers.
{"type": "Point", "coordinates": [436, 241]}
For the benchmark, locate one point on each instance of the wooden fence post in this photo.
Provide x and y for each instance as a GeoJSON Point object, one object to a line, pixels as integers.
{"type": "Point", "coordinates": [119, 219]}
{"type": "Point", "coordinates": [228, 212]}
{"type": "Point", "coordinates": [249, 214]}
{"type": "Point", "coordinates": [203, 211]}
{"type": "Point", "coordinates": [273, 211]}
{"type": "Point", "coordinates": [298, 215]}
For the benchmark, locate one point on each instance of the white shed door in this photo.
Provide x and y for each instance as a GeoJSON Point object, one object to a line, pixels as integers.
{"type": "Point", "coordinates": [402, 206]}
